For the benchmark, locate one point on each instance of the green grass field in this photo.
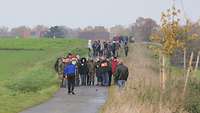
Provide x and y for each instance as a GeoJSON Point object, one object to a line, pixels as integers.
{"type": "Point", "coordinates": [27, 75]}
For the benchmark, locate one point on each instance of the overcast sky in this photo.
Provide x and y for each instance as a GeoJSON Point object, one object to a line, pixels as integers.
{"type": "Point", "coordinates": [81, 13]}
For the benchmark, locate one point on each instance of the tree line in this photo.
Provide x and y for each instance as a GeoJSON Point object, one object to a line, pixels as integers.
{"type": "Point", "coordinates": [141, 28]}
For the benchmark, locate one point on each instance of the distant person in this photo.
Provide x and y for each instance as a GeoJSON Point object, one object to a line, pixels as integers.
{"type": "Point", "coordinates": [104, 69]}
{"type": "Point", "coordinates": [69, 73]}
{"type": "Point", "coordinates": [114, 48]}
{"type": "Point", "coordinates": [121, 74]}
{"type": "Point", "coordinates": [90, 48]}
{"type": "Point", "coordinates": [114, 64]}
{"type": "Point", "coordinates": [91, 74]}
{"type": "Point", "coordinates": [118, 46]}
{"type": "Point", "coordinates": [94, 48]}
{"type": "Point", "coordinates": [109, 73]}
{"type": "Point", "coordinates": [98, 72]}
{"type": "Point", "coordinates": [83, 71]}
{"type": "Point", "coordinates": [99, 47]}
{"type": "Point", "coordinates": [109, 50]}
{"type": "Point", "coordinates": [126, 49]}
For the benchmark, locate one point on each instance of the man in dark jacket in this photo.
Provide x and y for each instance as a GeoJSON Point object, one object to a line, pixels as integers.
{"type": "Point", "coordinates": [69, 73]}
{"type": "Point", "coordinates": [114, 48]}
{"type": "Point", "coordinates": [126, 49]}
{"type": "Point", "coordinates": [83, 71]}
{"type": "Point", "coordinates": [121, 74]}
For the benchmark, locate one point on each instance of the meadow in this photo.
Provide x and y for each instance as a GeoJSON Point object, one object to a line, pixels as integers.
{"type": "Point", "coordinates": [27, 70]}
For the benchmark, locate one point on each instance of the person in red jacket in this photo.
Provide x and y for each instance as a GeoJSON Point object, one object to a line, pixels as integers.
{"type": "Point", "coordinates": [114, 62]}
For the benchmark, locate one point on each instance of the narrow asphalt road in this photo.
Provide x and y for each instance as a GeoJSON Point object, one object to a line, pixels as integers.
{"type": "Point", "coordinates": [87, 100]}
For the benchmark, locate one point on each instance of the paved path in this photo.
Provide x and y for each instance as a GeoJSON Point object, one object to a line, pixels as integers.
{"type": "Point", "coordinates": [86, 100]}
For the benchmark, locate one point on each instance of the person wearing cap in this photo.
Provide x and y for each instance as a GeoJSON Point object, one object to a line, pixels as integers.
{"type": "Point", "coordinates": [121, 74]}
{"type": "Point", "coordinates": [69, 73]}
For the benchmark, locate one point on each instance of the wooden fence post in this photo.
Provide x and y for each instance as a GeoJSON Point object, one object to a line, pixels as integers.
{"type": "Point", "coordinates": [188, 72]}
{"type": "Point", "coordinates": [163, 72]}
{"type": "Point", "coordinates": [184, 60]}
{"type": "Point", "coordinates": [197, 63]}
{"type": "Point", "coordinates": [160, 66]}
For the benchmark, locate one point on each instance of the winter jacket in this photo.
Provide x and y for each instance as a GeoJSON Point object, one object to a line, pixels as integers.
{"type": "Point", "coordinates": [83, 67]}
{"type": "Point", "coordinates": [91, 66]}
{"type": "Point", "coordinates": [70, 70]}
{"type": "Point", "coordinates": [104, 66]}
{"type": "Point", "coordinates": [97, 68]}
{"type": "Point", "coordinates": [121, 72]}
{"type": "Point", "coordinates": [114, 65]}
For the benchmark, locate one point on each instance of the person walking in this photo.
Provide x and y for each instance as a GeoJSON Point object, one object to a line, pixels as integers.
{"type": "Point", "coordinates": [69, 73]}
{"type": "Point", "coordinates": [83, 71]}
{"type": "Point", "coordinates": [121, 74]}
{"type": "Point", "coordinates": [126, 49]}
{"type": "Point", "coordinates": [114, 48]}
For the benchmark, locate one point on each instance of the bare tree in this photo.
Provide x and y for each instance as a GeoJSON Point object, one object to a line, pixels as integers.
{"type": "Point", "coordinates": [143, 28]}
{"type": "Point", "coordinates": [39, 31]}
{"type": "Point", "coordinates": [4, 31]}
{"type": "Point", "coordinates": [21, 31]}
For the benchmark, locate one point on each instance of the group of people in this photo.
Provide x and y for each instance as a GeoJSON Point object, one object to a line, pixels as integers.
{"type": "Point", "coordinates": [107, 48]}
{"type": "Point", "coordinates": [101, 71]}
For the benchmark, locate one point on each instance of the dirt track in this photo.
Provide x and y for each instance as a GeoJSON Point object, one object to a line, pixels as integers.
{"type": "Point", "coordinates": [86, 100]}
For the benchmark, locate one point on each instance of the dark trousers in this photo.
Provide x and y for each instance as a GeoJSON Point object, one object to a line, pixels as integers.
{"type": "Point", "coordinates": [113, 52]}
{"type": "Point", "coordinates": [71, 83]}
{"type": "Point", "coordinates": [90, 80]}
{"type": "Point", "coordinates": [77, 81]}
{"type": "Point", "coordinates": [105, 77]}
{"type": "Point", "coordinates": [83, 79]}
{"type": "Point", "coordinates": [110, 78]}
{"type": "Point", "coordinates": [126, 53]}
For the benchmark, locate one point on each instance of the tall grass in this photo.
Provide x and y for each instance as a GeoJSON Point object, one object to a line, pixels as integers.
{"type": "Point", "coordinates": [142, 92]}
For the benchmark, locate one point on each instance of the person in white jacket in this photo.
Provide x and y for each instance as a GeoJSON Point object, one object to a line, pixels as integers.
{"type": "Point", "coordinates": [90, 48]}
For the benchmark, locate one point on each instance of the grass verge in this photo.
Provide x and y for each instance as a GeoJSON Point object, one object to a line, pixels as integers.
{"type": "Point", "coordinates": [142, 93]}
{"type": "Point", "coordinates": [28, 77]}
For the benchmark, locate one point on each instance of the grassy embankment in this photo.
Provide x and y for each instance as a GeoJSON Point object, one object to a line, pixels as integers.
{"type": "Point", "coordinates": [26, 70]}
{"type": "Point", "coordinates": [142, 93]}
